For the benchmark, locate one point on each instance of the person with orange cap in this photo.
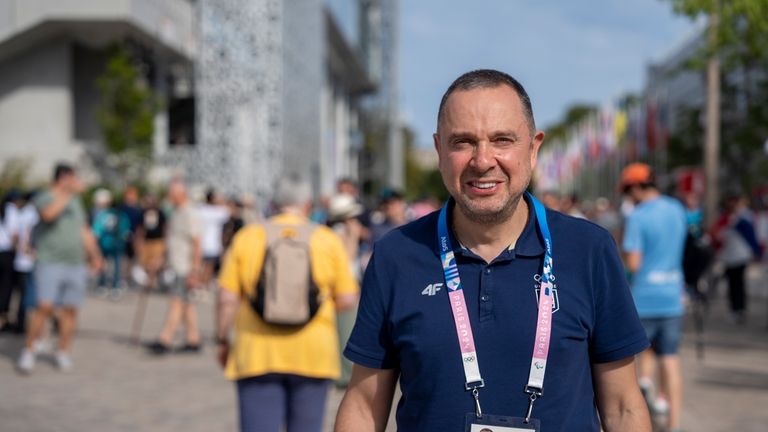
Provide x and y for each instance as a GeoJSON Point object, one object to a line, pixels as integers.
{"type": "Point", "coordinates": [653, 244]}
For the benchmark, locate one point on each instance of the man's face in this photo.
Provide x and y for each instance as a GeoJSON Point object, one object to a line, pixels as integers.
{"type": "Point", "coordinates": [347, 188]}
{"type": "Point", "coordinates": [131, 196]}
{"type": "Point", "coordinates": [486, 151]}
{"type": "Point", "coordinates": [176, 194]}
{"type": "Point", "coordinates": [72, 183]}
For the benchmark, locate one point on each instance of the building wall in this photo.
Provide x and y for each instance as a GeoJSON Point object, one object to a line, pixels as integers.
{"type": "Point", "coordinates": [36, 103]}
{"type": "Point", "coordinates": [302, 83]}
{"type": "Point", "coordinates": [239, 94]}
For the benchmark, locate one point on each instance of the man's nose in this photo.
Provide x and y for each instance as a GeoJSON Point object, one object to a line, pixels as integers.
{"type": "Point", "coordinates": [484, 157]}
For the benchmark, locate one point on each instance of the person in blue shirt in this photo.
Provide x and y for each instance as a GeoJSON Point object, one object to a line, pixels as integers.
{"type": "Point", "coordinates": [111, 228]}
{"type": "Point", "coordinates": [411, 328]}
{"type": "Point", "coordinates": [653, 242]}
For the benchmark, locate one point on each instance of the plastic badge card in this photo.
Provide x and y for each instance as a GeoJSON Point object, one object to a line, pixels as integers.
{"type": "Point", "coordinates": [494, 423]}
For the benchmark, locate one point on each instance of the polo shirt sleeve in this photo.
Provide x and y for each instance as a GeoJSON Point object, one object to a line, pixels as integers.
{"type": "Point", "coordinates": [370, 344]}
{"type": "Point", "coordinates": [633, 239]}
{"type": "Point", "coordinates": [617, 332]}
{"type": "Point", "coordinates": [42, 200]}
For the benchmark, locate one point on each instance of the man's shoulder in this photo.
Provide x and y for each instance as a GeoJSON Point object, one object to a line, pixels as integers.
{"type": "Point", "coordinates": [43, 198]}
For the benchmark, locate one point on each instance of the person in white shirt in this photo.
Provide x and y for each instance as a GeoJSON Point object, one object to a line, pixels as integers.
{"type": "Point", "coordinates": [26, 218]}
{"type": "Point", "coordinates": [213, 215]}
{"type": "Point", "coordinates": [8, 239]}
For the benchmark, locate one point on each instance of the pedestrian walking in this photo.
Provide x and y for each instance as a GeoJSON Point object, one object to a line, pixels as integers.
{"type": "Point", "coordinates": [112, 230]}
{"type": "Point", "coordinates": [185, 261]}
{"type": "Point", "coordinates": [24, 261]}
{"type": "Point", "coordinates": [275, 275]}
{"type": "Point", "coordinates": [64, 244]}
{"type": "Point", "coordinates": [9, 234]}
{"type": "Point", "coordinates": [130, 209]}
{"type": "Point", "coordinates": [213, 215]}
{"type": "Point", "coordinates": [738, 246]}
{"type": "Point", "coordinates": [653, 242]}
{"type": "Point", "coordinates": [343, 212]}
{"type": "Point", "coordinates": [462, 306]}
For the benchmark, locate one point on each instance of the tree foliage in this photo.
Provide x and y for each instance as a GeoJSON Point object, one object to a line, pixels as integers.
{"type": "Point", "coordinates": [741, 43]}
{"type": "Point", "coordinates": [573, 115]}
{"type": "Point", "coordinates": [128, 106]}
{"type": "Point", "coordinates": [420, 182]}
{"type": "Point", "coordinates": [742, 33]}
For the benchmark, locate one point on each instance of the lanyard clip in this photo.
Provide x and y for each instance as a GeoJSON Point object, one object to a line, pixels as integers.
{"type": "Point", "coordinates": [474, 386]}
{"type": "Point", "coordinates": [478, 410]}
{"type": "Point", "coordinates": [534, 393]}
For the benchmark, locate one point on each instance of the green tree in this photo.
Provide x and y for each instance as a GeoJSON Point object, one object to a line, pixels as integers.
{"type": "Point", "coordinates": [420, 182]}
{"type": "Point", "coordinates": [741, 42]}
{"type": "Point", "coordinates": [573, 115]}
{"type": "Point", "coordinates": [128, 106]}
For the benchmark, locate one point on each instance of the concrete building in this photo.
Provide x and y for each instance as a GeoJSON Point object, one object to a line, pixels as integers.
{"type": "Point", "coordinates": [51, 52]}
{"type": "Point", "coordinates": [278, 84]}
{"type": "Point", "coordinates": [252, 89]}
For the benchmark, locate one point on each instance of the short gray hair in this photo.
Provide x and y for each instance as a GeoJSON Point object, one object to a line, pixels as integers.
{"type": "Point", "coordinates": [290, 191]}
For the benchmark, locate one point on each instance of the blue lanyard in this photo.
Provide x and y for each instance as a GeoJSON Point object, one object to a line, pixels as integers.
{"type": "Point", "coordinates": [472, 378]}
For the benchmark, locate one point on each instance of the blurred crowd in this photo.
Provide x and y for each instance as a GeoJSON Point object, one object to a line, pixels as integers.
{"type": "Point", "coordinates": [130, 227]}
{"type": "Point", "coordinates": [141, 235]}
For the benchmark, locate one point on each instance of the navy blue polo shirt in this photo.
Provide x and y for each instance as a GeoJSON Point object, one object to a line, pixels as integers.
{"type": "Point", "coordinates": [405, 322]}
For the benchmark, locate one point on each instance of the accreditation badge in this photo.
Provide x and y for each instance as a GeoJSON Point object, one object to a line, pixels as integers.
{"type": "Point", "coordinates": [495, 423]}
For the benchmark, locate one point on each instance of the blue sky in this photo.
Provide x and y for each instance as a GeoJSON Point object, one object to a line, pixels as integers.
{"type": "Point", "coordinates": [563, 51]}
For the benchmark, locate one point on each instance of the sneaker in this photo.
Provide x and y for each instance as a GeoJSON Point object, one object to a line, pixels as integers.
{"type": "Point", "coordinates": [64, 361]}
{"type": "Point", "coordinates": [189, 348]}
{"type": "Point", "coordinates": [660, 407]}
{"type": "Point", "coordinates": [158, 348]}
{"type": "Point", "coordinates": [648, 391]}
{"type": "Point", "coordinates": [42, 346]}
{"type": "Point", "coordinates": [26, 361]}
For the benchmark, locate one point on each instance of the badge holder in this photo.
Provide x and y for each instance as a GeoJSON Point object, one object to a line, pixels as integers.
{"type": "Point", "coordinates": [495, 423]}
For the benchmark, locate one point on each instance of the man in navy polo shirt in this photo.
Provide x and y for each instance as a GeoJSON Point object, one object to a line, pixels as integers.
{"type": "Point", "coordinates": [497, 266]}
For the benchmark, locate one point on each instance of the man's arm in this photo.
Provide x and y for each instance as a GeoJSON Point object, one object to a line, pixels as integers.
{"type": "Point", "coordinates": [346, 301]}
{"type": "Point", "coordinates": [50, 212]}
{"type": "Point", "coordinates": [619, 401]}
{"type": "Point", "coordinates": [91, 249]}
{"type": "Point", "coordinates": [633, 260]}
{"type": "Point", "coordinates": [366, 404]}
{"type": "Point", "coordinates": [226, 306]}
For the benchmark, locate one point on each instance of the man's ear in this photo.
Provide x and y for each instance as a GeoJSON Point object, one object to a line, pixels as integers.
{"type": "Point", "coordinates": [536, 142]}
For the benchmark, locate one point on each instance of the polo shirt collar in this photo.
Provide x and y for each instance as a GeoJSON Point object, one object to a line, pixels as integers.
{"type": "Point", "coordinates": [529, 243]}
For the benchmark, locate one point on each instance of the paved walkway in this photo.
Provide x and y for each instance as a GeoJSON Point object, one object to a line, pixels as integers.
{"type": "Point", "coordinates": [117, 387]}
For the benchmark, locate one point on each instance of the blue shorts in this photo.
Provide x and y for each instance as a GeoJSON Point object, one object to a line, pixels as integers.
{"type": "Point", "coordinates": [60, 284]}
{"type": "Point", "coordinates": [664, 334]}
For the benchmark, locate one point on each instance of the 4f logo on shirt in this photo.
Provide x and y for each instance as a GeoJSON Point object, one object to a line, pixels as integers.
{"type": "Point", "coordinates": [537, 289]}
{"type": "Point", "coordinates": [432, 289]}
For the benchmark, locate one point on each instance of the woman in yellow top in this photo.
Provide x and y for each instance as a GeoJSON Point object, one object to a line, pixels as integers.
{"type": "Point", "coordinates": [282, 374]}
